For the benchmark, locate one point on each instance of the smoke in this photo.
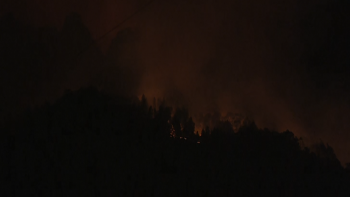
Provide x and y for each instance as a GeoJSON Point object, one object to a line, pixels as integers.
{"type": "Point", "coordinates": [220, 56]}
{"type": "Point", "coordinates": [253, 58]}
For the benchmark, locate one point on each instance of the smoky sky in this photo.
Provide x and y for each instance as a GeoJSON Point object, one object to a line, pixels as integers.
{"type": "Point", "coordinates": [281, 63]}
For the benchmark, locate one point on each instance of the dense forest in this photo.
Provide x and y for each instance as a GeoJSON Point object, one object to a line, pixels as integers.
{"type": "Point", "coordinates": [91, 144]}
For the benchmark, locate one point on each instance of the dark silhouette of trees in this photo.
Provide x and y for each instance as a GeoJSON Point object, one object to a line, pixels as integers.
{"type": "Point", "coordinates": [205, 134]}
{"type": "Point", "coordinates": [347, 166]}
{"type": "Point", "coordinates": [90, 143]}
{"type": "Point", "coordinates": [93, 143]}
{"type": "Point", "coordinates": [222, 130]}
{"type": "Point", "coordinates": [183, 124]}
{"type": "Point", "coordinates": [188, 129]}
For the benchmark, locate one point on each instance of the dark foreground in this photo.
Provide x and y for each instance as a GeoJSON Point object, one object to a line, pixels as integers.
{"type": "Point", "coordinates": [91, 144]}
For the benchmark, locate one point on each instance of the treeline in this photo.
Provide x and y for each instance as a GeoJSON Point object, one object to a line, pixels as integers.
{"type": "Point", "coordinates": [89, 143]}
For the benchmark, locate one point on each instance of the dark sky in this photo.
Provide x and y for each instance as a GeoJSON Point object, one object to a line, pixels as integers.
{"type": "Point", "coordinates": [282, 63]}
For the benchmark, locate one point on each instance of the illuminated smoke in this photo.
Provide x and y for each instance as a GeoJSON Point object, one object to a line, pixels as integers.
{"type": "Point", "coordinates": [215, 57]}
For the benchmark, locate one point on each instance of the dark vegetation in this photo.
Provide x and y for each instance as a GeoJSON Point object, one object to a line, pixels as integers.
{"type": "Point", "coordinates": [90, 144]}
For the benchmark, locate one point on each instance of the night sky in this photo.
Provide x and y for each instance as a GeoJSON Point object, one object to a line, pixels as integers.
{"type": "Point", "coordinates": [282, 63]}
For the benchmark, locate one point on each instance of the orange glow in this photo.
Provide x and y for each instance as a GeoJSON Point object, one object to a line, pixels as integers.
{"type": "Point", "coordinates": [226, 58]}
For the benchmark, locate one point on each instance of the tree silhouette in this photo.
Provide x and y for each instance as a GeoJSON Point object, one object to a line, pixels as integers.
{"type": "Point", "coordinates": [188, 129]}
{"type": "Point", "coordinates": [88, 142]}
{"type": "Point", "coordinates": [93, 143]}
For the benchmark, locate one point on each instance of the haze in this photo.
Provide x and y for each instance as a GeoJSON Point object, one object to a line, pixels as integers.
{"type": "Point", "coordinates": [262, 59]}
